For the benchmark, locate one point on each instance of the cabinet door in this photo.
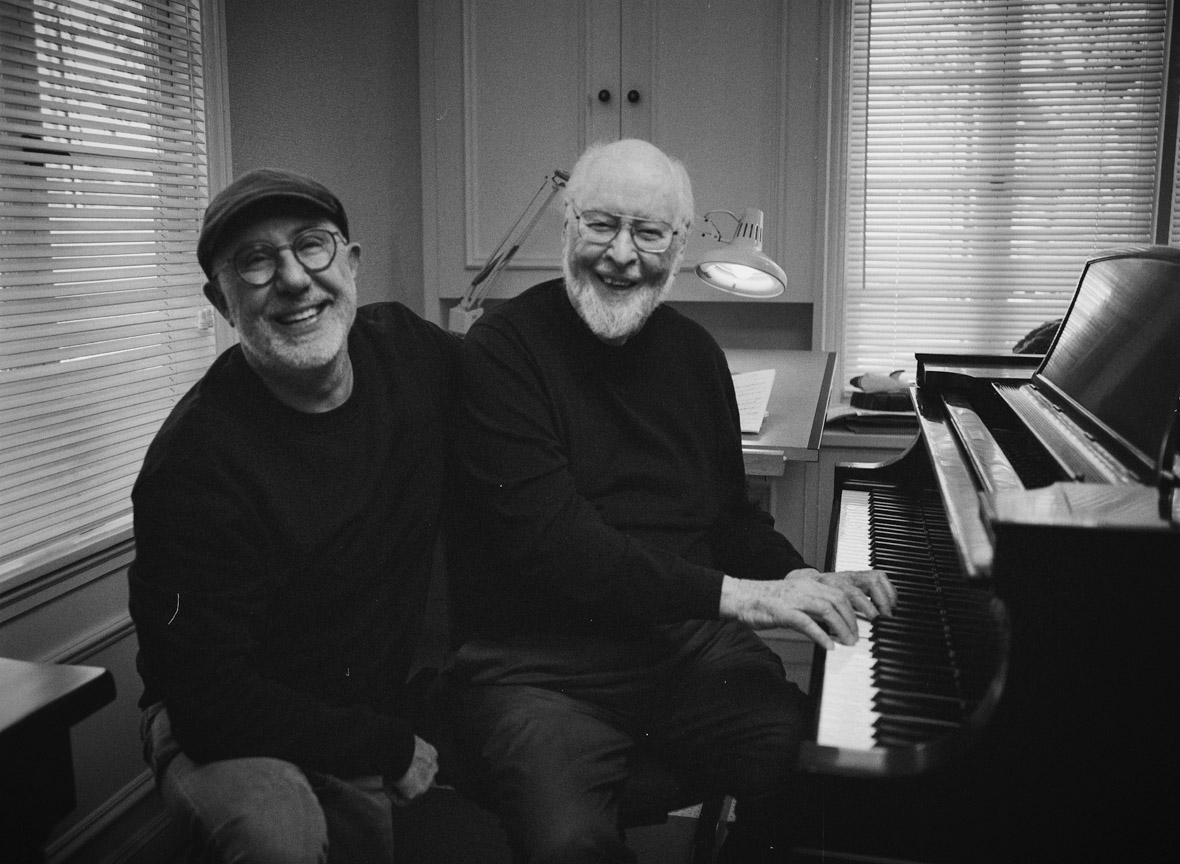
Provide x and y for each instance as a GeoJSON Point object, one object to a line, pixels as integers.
{"type": "Point", "coordinates": [510, 92]}
{"type": "Point", "coordinates": [718, 101]}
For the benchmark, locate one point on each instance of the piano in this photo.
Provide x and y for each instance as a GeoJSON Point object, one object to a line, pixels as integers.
{"type": "Point", "coordinates": [1015, 706]}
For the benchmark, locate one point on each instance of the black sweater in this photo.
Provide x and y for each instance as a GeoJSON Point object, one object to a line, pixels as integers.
{"type": "Point", "coordinates": [607, 487]}
{"type": "Point", "coordinates": [282, 558]}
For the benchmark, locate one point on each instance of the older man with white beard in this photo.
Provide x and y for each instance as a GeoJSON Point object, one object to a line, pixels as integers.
{"type": "Point", "coordinates": [611, 564]}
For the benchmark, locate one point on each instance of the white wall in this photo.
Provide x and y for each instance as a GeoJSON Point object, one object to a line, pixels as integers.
{"type": "Point", "coordinates": [331, 90]}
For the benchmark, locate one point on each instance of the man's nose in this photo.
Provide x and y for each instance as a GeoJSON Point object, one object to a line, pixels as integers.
{"type": "Point", "coordinates": [622, 247]}
{"type": "Point", "coordinates": [290, 275]}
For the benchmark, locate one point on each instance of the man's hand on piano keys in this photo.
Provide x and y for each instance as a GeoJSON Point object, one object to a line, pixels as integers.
{"type": "Point", "coordinates": [869, 591]}
{"type": "Point", "coordinates": [822, 606]}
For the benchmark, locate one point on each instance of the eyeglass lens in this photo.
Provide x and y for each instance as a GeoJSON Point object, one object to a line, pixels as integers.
{"type": "Point", "coordinates": [314, 249]}
{"type": "Point", "coordinates": [647, 235]}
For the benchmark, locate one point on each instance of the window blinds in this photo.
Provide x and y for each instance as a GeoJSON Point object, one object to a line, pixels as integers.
{"type": "Point", "coordinates": [993, 147]}
{"type": "Point", "coordinates": [102, 321]}
{"type": "Point", "coordinates": [1174, 213]}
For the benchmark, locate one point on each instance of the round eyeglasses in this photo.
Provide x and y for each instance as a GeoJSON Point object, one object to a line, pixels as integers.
{"type": "Point", "coordinates": [648, 235]}
{"type": "Point", "coordinates": [257, 263]}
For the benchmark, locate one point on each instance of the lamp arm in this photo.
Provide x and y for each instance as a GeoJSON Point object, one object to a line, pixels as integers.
{"type": "Point", "coordinates": [513, 240]}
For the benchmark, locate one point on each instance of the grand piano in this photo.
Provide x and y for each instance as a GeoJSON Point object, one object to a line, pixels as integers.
{"type": "Point", "coordinates": [1017, 705]}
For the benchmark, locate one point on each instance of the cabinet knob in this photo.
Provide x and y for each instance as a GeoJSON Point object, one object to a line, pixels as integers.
{"type": "Point", "coordinates": [632, 95]}
{"type": "Point", "coordinates": [604, 95]}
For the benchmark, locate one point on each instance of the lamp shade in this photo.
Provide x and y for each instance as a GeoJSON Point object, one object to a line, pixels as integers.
{"type": "Point", "coordinates": [740, 266]}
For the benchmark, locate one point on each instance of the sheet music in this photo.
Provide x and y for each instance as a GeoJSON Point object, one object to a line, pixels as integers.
{"type": "Point", "coordinates": [753, 395]}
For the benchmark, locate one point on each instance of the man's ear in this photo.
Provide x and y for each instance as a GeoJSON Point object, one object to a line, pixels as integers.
{"type": "Point", "coordinates": [354, 258]}
{"type": "Point", "coordinates": [214, 295]}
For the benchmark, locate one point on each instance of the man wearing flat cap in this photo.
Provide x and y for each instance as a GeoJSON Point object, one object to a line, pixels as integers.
{"type": "Point", "coordinates": [286, 516]}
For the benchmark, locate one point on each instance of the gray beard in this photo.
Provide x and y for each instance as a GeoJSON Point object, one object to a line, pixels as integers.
{"type": "Point", "coordinates": [614, 318]}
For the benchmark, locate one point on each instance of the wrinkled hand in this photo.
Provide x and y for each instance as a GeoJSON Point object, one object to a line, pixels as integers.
{"type": "Point", "coordinates": [869, 591]}
{"type": "Point", "coordinates": [816, 604]}
{"type": "Point", "coordinates": [418, 776]}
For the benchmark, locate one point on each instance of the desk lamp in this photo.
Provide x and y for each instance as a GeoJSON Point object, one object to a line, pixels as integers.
{"type": "Point", "coordinates": [740, 267]}
{"type": "Point", "coordinates": [465, 313]}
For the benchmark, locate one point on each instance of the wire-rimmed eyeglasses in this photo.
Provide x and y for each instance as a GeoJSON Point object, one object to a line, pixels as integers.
{"type": "Point", "coordinates": [648, 235]}
{"type": "Point", "coordinates": [256, 264]}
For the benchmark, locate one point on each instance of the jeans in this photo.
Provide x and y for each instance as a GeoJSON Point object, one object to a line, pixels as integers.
{"type": "Point", "coordinates": [266, 810]}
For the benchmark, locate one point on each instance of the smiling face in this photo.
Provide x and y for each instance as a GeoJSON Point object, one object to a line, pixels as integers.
{"type": "Point", "coordinates": [296, 326]}
{"type": "Point", "coordinates": [614, 286]}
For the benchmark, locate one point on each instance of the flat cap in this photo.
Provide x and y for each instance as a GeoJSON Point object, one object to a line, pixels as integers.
{"type": "Point", "coordinates": [257, 187]}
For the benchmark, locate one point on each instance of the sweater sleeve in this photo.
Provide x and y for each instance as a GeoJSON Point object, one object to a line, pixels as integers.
{"type": "Point", "coordinates": [198, 594]}
{"type": "Point", "coordinates": [554, 540]}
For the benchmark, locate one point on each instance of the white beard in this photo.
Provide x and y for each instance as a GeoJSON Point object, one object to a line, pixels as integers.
{"type": "Point", "coordinates": [620, 314]}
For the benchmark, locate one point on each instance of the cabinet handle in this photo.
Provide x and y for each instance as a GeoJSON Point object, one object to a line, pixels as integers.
{"type": "Point", "coordinates": [632, 95]}
{"type": "Point", "coordinates": [603, 95]}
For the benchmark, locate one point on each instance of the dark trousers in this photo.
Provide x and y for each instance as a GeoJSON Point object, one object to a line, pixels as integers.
{"type": "Point", "coordinates": [554, 758]}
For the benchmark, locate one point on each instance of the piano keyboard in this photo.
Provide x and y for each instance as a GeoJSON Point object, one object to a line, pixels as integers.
{"type": "Point", "coordinates": [915, 676]}
{"type": "Point", "coordinates": [846, 714]}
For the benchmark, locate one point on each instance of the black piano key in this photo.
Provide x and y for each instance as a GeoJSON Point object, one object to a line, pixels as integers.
{"type": "Point", "coordinates": [932, 709]}
{"type": "Point", "coordinates": [887, 624]}
{"type": "Point", "coordinates": [912, 655]}
{"type": "Point", "coordinates": [917, 641]}
{"type": "Point", "coordinates": [902, 736]}
{"type": "Point", "coordinates": [899, 722]}
{"type": "Point", "coordinates": [920, 696]}
{"type": "Point", "coordinates": [933, 686]}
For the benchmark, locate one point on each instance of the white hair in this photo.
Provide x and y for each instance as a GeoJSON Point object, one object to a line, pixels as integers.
{"type": "Point", "coordinates": [577, 183]}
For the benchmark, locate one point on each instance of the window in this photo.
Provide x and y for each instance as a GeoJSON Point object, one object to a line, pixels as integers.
{"type": "Point", "coordinates": [103, 180]}
{"type": "Point", "coordinates": [992, 147]}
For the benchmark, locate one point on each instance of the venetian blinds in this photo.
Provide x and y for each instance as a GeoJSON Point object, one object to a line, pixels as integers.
{"type": "Point", "coordinates": [102, 321]}
{"type": "Point", "coordinates": [993, 146]}
{"type": "Point", "coordinates": [1174, 219]}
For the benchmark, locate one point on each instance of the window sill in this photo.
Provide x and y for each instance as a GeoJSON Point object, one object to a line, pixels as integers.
{"type": "Point", "coordinates": [38, 576]}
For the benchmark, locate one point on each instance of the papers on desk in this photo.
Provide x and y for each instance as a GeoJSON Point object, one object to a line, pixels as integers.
{"type": "Point", "coordinates": [753, 395]}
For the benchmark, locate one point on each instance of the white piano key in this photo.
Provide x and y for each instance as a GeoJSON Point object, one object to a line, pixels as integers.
{"type": "Point", "coordinates": [852, 533]}
{"type": "Point", "coordinates": [846, 714]}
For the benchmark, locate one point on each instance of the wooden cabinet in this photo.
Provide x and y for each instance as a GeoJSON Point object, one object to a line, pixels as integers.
{"type": "Point", "coordinates": [511, 91]}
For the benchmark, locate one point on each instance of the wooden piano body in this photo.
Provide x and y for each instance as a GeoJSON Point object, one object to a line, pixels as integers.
{"type": "Point", "coordinates": [1063, 585]}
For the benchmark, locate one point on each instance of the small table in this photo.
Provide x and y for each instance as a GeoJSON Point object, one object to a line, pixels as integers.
{"type": "Point", "coordinates": [783, 458]}
{"type": "Point", "coordinates": [39, 702]}
{"type": "Point", "coordinates": [798, 404]}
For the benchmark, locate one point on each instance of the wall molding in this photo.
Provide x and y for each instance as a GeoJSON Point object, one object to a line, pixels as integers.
{"type": "Point", "coordinates": [99, 640]}
{"type": "Point", "coordinates": [127, 840]}
{"type": "Point", "coordinates": [48, 586]}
